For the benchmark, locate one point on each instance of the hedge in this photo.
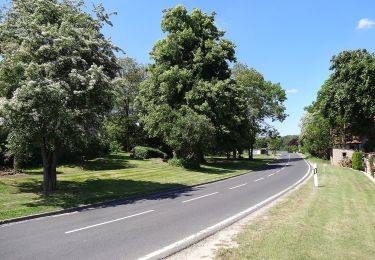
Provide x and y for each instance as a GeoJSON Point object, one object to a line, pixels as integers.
{"type": "Point", "coordinates": [357, 161]}
{"type": "Point", "coordinates": [144, 152]}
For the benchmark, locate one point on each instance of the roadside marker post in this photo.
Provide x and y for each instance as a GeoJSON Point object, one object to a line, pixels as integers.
{"type": "Point", "coordinates": [316, 181]}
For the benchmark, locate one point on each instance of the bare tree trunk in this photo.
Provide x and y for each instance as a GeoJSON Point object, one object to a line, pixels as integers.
{"type": "Point", "coordinates": [251, 153]}
{"type": "Point", "coordinates": [49, 170]}
{"type": "Point", "coordinates": [201, 158]}
{"type": "Point", "coordinates": [16, 164]}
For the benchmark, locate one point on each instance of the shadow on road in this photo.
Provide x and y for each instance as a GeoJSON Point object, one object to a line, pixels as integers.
{"type": "Point", "coordinates": [121, 191]}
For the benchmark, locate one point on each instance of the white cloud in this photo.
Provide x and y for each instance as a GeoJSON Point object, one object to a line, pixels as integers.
{"type": "Point", "coordinates": [292, 91]}
{"type": "Point", "coordinates": [365, 23]}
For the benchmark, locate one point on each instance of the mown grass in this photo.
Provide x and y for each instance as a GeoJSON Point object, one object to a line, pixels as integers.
{"type": "Point", "coordinates": [334, 221]}
{"type": "Point", "coordinates": [111, 177]}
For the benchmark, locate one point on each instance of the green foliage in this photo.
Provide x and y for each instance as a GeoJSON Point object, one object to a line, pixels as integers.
{"type": "Point", "coordinates": [260, 142]}
{"type": "Point", "coordinates": [184, 163]}
{"type": "Point", "coordinates": [55, 76]}
{"type": "Point", "coordinates": [261, 99]}
{"type": "Point", "coordinates": [188, 96]}
{"type": "Point", "coordinates": [357, 161]}
{"type": "Point", "coordinates": [143, 152]}
{"type": "Point", "coordinates": [274, 144]}
{"type": "Point", "coordinates": [347, 98]}
{"type": "Point", "coordinates": [122, 125]}
{"type": "Point", "coordinates": [315, 135]}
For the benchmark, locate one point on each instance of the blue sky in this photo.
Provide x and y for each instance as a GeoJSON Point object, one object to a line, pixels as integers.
{"type": "Point", "coordinates": [289, 41]}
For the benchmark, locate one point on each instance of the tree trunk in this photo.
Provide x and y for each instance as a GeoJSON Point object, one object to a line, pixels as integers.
{"type": "Point", "coordinates": [228, 155]}
{"type": "Point", "coordinates": [251, 153]}
{"type": "Point", "coordinates": [49, 170]}
{"type": "Point", "coordinates": [16, 164]}
{"type": "Point", "coordinates": [201, 158]}
{"type": "Point", "coordinates": [234, 154]}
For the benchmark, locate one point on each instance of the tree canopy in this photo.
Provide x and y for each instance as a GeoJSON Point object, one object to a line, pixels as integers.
{"type": "Point", "coordinates": [55, 77]}
{"type": "Point", "coordinates": [190, 79]}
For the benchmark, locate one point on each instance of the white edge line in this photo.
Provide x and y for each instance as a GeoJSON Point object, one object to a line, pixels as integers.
{"type": "Point", "coordinates": [222, 223]}
{"type": "Point", "coordinates": [235, 187]}
{"type": "Point", "coordinates": [107, 222]}
{"type": "Point", "coordinates": [259, 179]}
{"type": "Point", "coordinates": [200, 197]}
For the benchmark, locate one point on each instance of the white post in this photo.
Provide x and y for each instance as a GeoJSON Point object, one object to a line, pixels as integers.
{"type": "Point", "coordinates": [316, 181]}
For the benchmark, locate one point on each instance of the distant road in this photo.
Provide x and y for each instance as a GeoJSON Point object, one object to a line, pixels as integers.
{"type": "Point", "coordinates": [150, 228]}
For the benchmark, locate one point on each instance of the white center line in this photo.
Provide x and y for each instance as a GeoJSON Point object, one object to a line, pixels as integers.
{"type": "Point", "coordinates": [107, 222]}
{"type": "Point", "coordinates": [271, 174]}
{"type": "Point", "coordinates": [235, 187]}
{"type": "Point", "coordinates": [200, 197]}
{"type": "Point", "coordinates": [259, 179]}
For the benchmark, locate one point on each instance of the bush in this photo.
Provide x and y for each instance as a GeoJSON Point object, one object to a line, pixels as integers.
{"type": "Point", "coordinates": [345, 162]}
{"type": "Point", "coordinates": [143, 152]}
{"type": "Point", "coordinates": [357, 161]}
{"type": "Point", "coordinates": [185, 163]}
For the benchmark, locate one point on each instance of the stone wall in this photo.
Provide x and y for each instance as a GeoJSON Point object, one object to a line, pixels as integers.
{"type": "Point", "coordinates": [338, 155]}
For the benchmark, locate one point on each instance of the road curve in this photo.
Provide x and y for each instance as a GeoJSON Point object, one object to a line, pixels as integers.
{"type": "Point", "coordinates": [151, 228]}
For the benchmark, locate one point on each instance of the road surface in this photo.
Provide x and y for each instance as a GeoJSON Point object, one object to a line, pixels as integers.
{"type": "Point", "coordinates": [150, 228]}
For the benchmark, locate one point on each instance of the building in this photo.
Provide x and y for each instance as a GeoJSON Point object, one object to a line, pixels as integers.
{"type": "Point", "coordinates": [260, 151]}
{"type": "Point", "coordinates": [342, 151]}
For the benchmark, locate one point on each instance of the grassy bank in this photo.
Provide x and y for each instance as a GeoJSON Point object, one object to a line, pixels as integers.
{"type": "Point", "coordinates": [112, 177]}
{"type": "Point", "coordinates": [334, 221]}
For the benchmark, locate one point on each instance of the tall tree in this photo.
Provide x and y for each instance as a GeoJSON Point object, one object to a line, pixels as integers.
{"type": "Point", "coordinates": [123, 123]}
{"type": "Point", "coordinates": [190, 79]}
{"type": "Point", "coordinates": [263, 100]}
{"type": "Point", "coordinates": [347, 98]}
{"type": "Point", "coordinates": [315, 135]}
{"type": "Point", "coordinates": [55, 73]}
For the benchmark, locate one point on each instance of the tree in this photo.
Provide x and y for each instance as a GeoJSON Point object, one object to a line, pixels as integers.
{"type": "Point", "coordinates": [263, 100]}
{"type": "Point", "coordinates": [315, 135]}
{"type": "Point", "coordinates": [190, 79]}
{"type": "Point", "coordinates": [347, 98]}
{"type": "Point", "coordinates": [56, 76]}
{"type": "Point", "coordinates": [123, 123]}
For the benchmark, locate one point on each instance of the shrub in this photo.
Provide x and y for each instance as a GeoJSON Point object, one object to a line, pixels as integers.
{"type": "Point", "coordinates": [345, 162]}
{"type": "Point", "coordinates": [357, 161]}
{"type": "Point", "coordinates": [143, 152]}
{"type": "Point", "coordinates": [185, 163]}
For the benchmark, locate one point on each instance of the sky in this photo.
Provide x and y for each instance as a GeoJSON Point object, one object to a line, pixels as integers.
{"type": "Point", "coordinates": [288, 41]}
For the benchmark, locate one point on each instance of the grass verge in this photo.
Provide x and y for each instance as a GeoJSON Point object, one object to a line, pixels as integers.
{"type": "Point", "coordinates": [112, 177]}
{"type": "Point", "coordinates": [334, 221]}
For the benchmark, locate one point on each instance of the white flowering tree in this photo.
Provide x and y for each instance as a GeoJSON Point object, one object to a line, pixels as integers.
{"type": "Point", "coordinates": [56, 69]}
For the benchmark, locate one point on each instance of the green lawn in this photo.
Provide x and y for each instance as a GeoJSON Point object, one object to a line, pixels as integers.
{"type": "Point", "coordinates": [112, 177]}
{"type": "Point", "coordinates": [334, 221]}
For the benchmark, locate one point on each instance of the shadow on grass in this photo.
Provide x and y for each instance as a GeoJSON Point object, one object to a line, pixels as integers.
{"type": "Point", "coordinates": [224, 166]}
{"type": "Point", "coordinates": [108, 162]}
{"type": "Point", "coordinates": [72, 194]}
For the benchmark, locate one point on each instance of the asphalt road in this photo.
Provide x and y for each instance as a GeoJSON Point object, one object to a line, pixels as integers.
{"type": "Point", "coordinates": [154, 227]}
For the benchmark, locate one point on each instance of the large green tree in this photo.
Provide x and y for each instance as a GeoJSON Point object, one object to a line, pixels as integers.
{"type": "Point", "coordinates": [55, 77]}
{"type": "Point", "coordinates": [122, 124]}
{"type": "Point", "coordinates": [347, 98]}
{"type": "Point", "coordinates": [263, 99]}
{"type": "Point", "coordinates": [315, 135]}
{"type": "Point", "coordinates": [190, 78]}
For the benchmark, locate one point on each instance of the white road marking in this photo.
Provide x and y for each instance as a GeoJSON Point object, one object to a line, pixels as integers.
{"type": "Point", "coordinates": [107, 222]}
{"type": "Point", "coordinates": [221, 224]}
{"type": "Point", "coordinates": [259, 179]}
{"type": "Point", "coordinates": [271, 174]}
{"type": "Point", "coordinates": [235, 187]}
{"type": "Point", "coordinates": [200, 197]}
